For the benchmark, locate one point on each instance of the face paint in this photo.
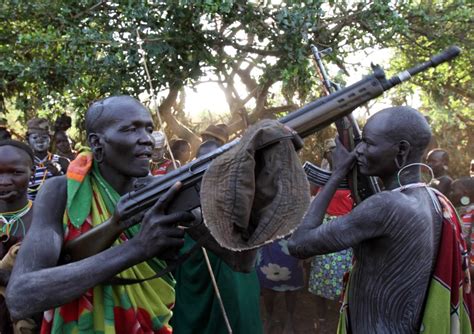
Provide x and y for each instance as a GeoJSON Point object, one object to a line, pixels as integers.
{"type": "Point", "coordinates": [158, 154]}
{"type": "Point", "coordinates": [39, 142]}
{"type": "Point", "coordinates": [127, 143]}
{"type": "Point", "coordinates": [376, 153]}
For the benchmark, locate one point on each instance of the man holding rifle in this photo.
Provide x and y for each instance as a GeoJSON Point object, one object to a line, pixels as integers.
{"type": "Point", "coordinates": [85, 201]}
{"type": "Point", "coordinates": [410, 273]}
{"type": "Point", "coordinates": [79, 298]}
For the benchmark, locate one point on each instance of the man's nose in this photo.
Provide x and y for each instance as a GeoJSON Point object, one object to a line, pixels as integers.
{"type": "Point", "coordinates": [146, 139]}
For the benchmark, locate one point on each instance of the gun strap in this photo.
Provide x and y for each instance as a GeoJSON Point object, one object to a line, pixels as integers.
{"type": "Point", "coordinates": [169, 268]}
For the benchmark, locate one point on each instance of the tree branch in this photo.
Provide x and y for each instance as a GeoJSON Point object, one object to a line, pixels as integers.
{"type": "Point", "coordinates": [176, 127]}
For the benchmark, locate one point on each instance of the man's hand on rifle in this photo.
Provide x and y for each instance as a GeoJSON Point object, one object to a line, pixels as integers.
{"type": "Point", "coordinates": [343, 160]}
{"type": "Point", "coordinates": [159, 234]}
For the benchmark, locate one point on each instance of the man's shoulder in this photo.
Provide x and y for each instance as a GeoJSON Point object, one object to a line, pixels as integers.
{"type": "Point", "coordinates": [55, 186]}
{"type": "Point", "coordinates": [389, 201]}
{"type": "Point", "coordinates": [57, 180]}
{"type": "Point", "coordinates": [385, 197]}
{"type": "Point", "coordinates": [52, 196]}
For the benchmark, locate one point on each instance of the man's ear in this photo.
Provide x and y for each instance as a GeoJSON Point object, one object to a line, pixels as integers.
{"type": "Point", "coordinates": [404, 148]}
{"type": "Point", "coordinates": [94, 140]}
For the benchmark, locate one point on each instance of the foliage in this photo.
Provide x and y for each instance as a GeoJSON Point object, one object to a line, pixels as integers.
{"type": "Point", "coordinates": [446, 92]}
{"type": "Point", "coordinates": [60, 55]}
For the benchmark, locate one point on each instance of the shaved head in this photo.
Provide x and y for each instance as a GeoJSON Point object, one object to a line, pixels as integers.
{"type": "Point", "coordinates": [25, 149]}
{"type": "Point", "coordinates": [100, 112]}
{"type": "Point", "coordinates": [405, 123]}
{"type": "Point", "coordinates": [443, 154]}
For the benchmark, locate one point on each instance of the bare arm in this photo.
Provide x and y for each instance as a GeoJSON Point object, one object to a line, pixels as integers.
{"type": "Point", "coordinates": [311, 237]}
{"type": "Point", "coordinates": [37, 284]}
{"type": "Point", "coordinates": [366, 221]}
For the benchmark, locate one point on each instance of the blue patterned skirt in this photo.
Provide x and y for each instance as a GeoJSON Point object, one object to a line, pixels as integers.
{"type": "Point", "coordinates": [277, 269]}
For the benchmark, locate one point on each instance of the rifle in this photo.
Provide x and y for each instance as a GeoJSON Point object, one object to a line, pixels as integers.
{"type": "Point", "coordinates": [350, 135]}
{"type": "Point", "coordinates": [305, 121]}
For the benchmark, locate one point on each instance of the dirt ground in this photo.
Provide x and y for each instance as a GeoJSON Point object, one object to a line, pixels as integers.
{"type": "Point", "coordinates": [305, 319]}
{"type": "Point", "coordinates": [308, 311]}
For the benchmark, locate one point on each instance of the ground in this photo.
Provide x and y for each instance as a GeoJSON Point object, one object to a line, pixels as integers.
{"type": "Point", "coordinates": [306, 315]}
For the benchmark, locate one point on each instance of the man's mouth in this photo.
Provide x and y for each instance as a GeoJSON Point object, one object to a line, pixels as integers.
{"type": "Point", "coordinates": [41, 145]}
{"type": "Point", "coordinates": [144, 155]}
{"type": "Point", "coordinates": [362, 165]}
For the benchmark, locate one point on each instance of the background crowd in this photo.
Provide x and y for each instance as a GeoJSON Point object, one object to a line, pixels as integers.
{"type": "Point", "coordinates": [289, 295]}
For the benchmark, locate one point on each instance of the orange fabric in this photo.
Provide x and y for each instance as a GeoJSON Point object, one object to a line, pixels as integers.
{"type": "Point", "coordinates": [79, 167]}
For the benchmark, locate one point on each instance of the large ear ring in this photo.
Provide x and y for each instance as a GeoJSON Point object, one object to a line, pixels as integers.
{"type": "Point", "coordinates": [398, 164]}
{"type": "Point", "coordinates": [98, 153]}
{"type": "Point", "coordinates": [97, 149]}
{"type": "Point", "coordinates": [403, 151]}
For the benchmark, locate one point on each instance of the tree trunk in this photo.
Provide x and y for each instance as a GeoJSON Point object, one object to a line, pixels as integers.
{"type": "Point", "coordinates": [175, 126]}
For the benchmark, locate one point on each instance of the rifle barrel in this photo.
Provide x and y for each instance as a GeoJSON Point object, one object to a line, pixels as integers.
{"type": "Point", "coordinates": [305, 121]}
{"type": "Point", "coordinates": [448, 54]}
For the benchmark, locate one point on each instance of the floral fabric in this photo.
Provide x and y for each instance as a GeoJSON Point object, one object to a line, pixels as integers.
{"type": "Point", "coordinates": [327, 272]}
{"type": "Point", "coordinates": [277, 269]}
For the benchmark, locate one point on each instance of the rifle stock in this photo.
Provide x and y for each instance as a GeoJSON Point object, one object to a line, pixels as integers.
{"type": "Point", "coordinates": [305, 121]}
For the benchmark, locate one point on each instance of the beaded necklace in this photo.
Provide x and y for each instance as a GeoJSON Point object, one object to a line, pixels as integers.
{"type": "Point", "coordinates": [40, 164]}
{"type": "Point", "coordinates": [10, 221]}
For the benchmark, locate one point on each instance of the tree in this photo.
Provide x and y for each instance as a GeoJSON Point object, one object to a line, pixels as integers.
{"type": "Point", "coordinates": [61, 55]}
{"type": "Point", "coordinates": [446, 93]}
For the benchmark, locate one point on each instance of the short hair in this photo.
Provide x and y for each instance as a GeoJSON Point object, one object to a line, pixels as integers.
{"type": "Point", "coordinates": [22, 146]}
{"type": "Point", "coordinates": [179, 145]}
{"type": "Point", "coordinates": [444, 154]}
{"type": "Point", "coordinates": [466, 182]}
{"type": "Point", "coordinates": [407, 124]}
{"type": "Point", "coordinates": [98, 111]}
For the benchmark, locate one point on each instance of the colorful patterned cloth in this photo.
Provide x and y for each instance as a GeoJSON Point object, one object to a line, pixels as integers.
{"type": "Point", "coordinates": [327, 271]}
{"type": "Point", "coordinates": [137, 308]}
{"type": "Point", "coordinates": [448, 306]}
{"type": "Point", "coordinates": [160, 168]}
{"type": "Point", "coordinates": [467, 218]}
{"type": "Point", "coordinates": [277, 269]}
